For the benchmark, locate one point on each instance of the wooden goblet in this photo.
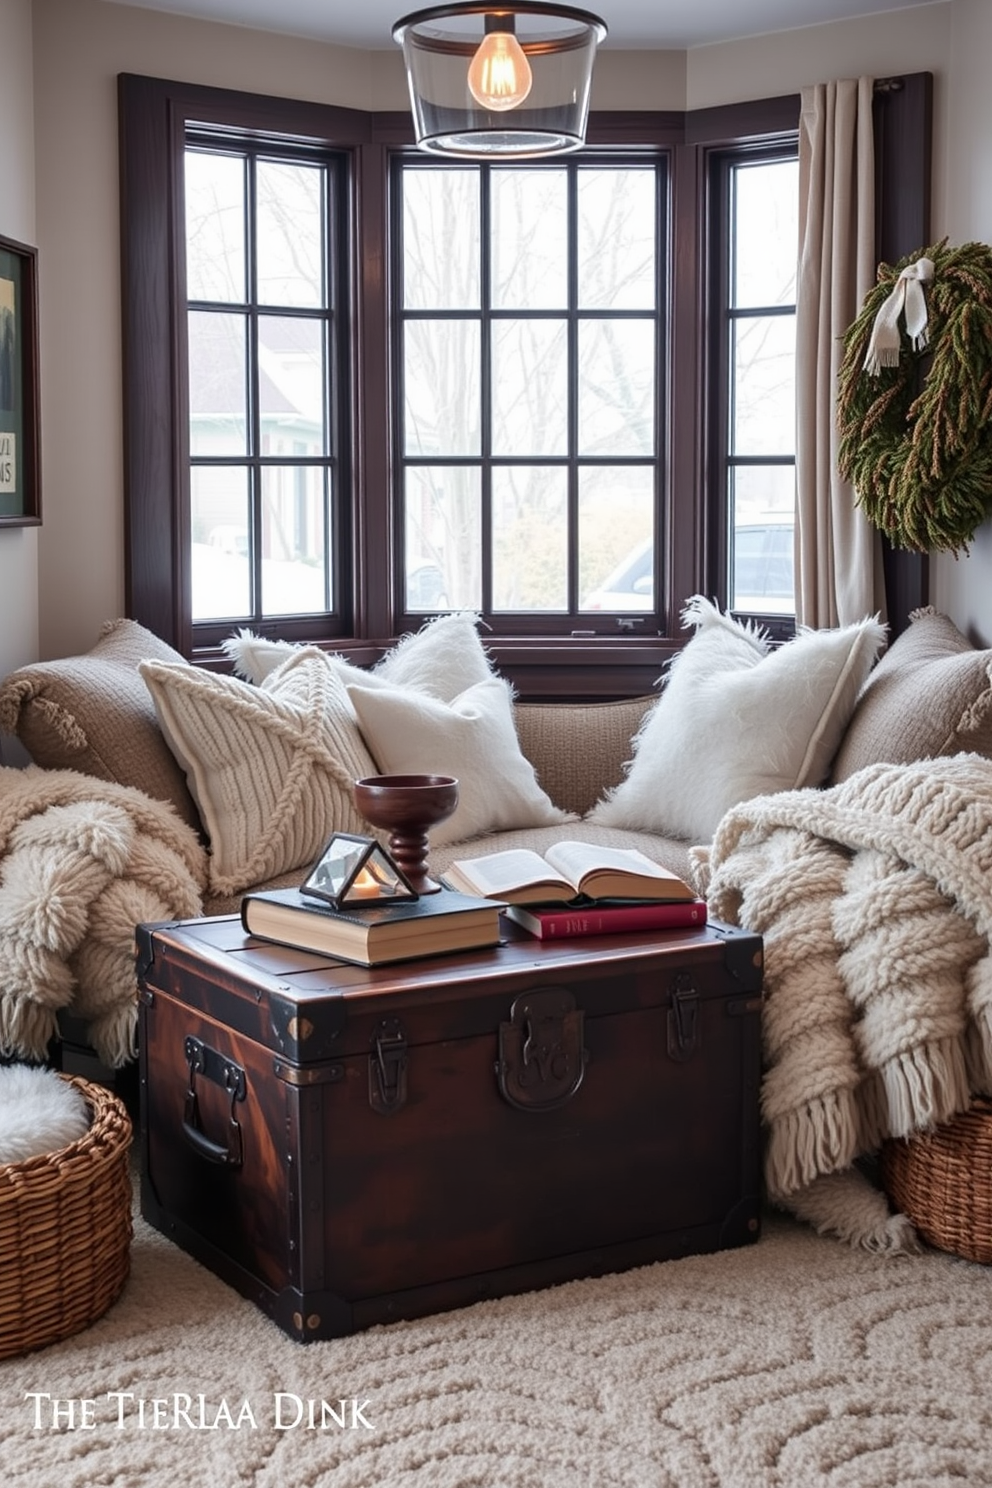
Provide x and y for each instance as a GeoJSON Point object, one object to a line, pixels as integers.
{"type": "Point", "coordinates": [407, 806]}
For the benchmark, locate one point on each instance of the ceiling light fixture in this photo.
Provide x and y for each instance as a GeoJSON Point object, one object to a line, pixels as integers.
{"type": "Point", "coordinates": [498, 82]}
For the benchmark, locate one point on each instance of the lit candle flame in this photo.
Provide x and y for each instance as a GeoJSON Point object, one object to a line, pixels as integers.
{"type": "Point", "coordinates": [365, 886]}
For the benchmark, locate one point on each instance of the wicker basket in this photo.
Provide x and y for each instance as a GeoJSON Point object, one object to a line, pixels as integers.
{"type": "Point", "coordinates": [65, 1230]}
{"type": "Point", "coordinates": [943, 1181]}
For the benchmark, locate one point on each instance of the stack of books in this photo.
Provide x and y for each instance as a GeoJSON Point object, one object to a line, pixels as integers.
{"type": "Point", "coordinates": [375, 934]}
{"type": "Point", "coordinates": [581, 889]}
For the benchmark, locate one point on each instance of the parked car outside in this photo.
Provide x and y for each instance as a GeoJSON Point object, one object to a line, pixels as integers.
{"type": "Point", "coordinates": [763, 573]}
{"type": "Point", "coordinates": [629, 586]}
{"type": "Point", "coordinates": [764, 568]}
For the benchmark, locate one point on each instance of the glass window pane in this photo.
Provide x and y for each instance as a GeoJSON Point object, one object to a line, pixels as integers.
{"type": "Point", "coordinates": [616, 538]}
{"type": "Point", "coordinates": [218, 378]}
{"type": "Point", "coordinates": [443, 533]}
{"type": "Point", "coordinates": [294, 549]}
{"type": "Point", "coordinates": [215, 227]}
{"type": "Point", "coordinates": [764, 394]}
{"type": "Point", "coordinates": [766, 240]}
{"type": "Point", "coordinates": [616, 239]}
{"type": "Point", "coordinates": [291, 385]}
{"type": "Point", "coordinates": [221, 528]}
{"type": "Point", "coordinates": [290, 234]}
{"type": "Point", "coordinates": [530, 538]}
{"type": "Point", "coordinates": [616, 387]}
{"type": "Point", "coordinates": [441, 239]}
{"type": "Point", "coordinates": [763, 501]}
{"type": "Point", "coordinates": [441, 384]}
{"type": "Point", "coordinates": [530, 387]}
{"type": "Point", "coordinates": [529, 239]}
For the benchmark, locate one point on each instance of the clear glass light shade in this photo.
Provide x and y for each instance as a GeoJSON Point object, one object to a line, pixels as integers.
{"type": "Point", "coordinates": [506, 83]}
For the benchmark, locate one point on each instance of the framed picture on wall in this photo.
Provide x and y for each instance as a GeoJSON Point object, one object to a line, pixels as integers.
{"type": "Point", "coordinates": [20, 484]}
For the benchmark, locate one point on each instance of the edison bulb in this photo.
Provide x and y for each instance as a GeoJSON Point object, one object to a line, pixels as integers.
{"type": "Point", "coordinates": [499, 75]}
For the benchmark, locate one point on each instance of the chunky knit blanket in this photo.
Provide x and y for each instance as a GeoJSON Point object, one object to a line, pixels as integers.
{"type": "Point", "coordinates": [874, 899]}
{"type": "Point", "coordinates": [82, 862]}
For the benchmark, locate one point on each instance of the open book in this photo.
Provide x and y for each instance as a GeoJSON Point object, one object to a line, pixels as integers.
{"type": "Point", "coordinates": [569, 871]}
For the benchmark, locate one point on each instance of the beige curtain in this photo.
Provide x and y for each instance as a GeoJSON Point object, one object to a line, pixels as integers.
{"type": "Point", "coordinates": [838, 552]}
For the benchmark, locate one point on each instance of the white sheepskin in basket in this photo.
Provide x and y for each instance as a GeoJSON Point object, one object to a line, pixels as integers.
{"type": "Point", "coordinates": [39, 1112]}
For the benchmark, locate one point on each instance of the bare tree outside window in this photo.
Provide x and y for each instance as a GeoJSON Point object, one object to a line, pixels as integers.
{"type": "Point", "coordinates": [530, 356]}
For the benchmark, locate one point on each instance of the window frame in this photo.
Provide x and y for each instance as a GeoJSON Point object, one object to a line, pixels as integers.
{"type": "Point", "coordinates": [555, 624]}
{"type": "Point", "coordinates": [720, 162]}
{"type": "Point", "coordinates": [332, 317]}
{"type": "Point", "coordinates": [154, 114]}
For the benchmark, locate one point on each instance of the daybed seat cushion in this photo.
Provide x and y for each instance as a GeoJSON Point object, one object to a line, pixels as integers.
{"type": "Point", "coordinates": [669, 851]}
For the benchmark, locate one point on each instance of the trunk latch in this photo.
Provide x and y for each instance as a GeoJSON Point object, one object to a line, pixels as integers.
{"type": "Point", "coordinates": [683, 1019]}
{"type": "Point", "coordinates": [387, 1067]}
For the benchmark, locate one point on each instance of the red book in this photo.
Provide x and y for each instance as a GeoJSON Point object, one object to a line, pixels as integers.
{"type": "Point", "coordinates": [606, 919]}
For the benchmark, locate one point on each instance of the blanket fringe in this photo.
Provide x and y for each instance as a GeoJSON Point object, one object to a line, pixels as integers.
{"type": "Point", "coordinates": [925, 1086]}
{"type": "Point", "coordinates": [850, 1208]}
{"type": "Point", "coordinates": [822, 1136]}
{"type": "Point", "coordinates": [26, 1028]}
{"type": "Point", "coordinates": [979, 1045]}
{"type": "Point", "coordinates": [115, 1035]}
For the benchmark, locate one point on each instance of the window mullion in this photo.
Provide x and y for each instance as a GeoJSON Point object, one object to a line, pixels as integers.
{"type": "Point", "coordinates": [486, 384]}
{"type": "Point", "coordinates": [254, 451]}
{"type": "Point", "coordinates": [572, 336]}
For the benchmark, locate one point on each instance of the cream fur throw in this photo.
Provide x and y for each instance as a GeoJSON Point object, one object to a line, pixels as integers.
{"type": "Point", "coordinates": [82, 862]}
{"type": "Point", "coordinates": [874, 899]}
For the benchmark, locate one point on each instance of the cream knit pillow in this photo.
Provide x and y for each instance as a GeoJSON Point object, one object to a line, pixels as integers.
{"type": "Point", "coordinates": [271, 768]}
{"type": "Point", "coordinates": [472, 738]}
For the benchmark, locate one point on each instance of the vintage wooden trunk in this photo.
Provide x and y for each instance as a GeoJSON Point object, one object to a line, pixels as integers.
{"type": "Point", "coordinates": [349, 1146]}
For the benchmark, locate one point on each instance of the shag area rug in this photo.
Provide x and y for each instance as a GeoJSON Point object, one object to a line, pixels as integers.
{"type": "Point", "coordinates": [796, 1362]}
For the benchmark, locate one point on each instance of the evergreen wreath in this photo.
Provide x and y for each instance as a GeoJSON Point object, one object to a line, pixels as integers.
{"type": "Point", "coordinates": [916, 437]}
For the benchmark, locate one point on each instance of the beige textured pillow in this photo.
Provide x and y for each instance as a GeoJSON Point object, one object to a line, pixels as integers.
{"type": "Point", "coordinates": [930, 695]}
{"type": "Point", "coordinates": [472, 738]}
{"type": "Point", "coordinates": [270, 767]}
{"type": "Point", "coordinates": [92, 713]}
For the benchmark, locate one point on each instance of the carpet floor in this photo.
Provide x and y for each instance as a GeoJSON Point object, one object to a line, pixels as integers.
{"type": "Point", "coordinates": [792, 1363]}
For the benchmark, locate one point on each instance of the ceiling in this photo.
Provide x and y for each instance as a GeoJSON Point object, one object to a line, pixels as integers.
{"type": "Point", "coordinates": [677, 24]}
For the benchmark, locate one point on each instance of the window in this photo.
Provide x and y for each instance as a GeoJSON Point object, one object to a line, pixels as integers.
{"type": "Point", "coordinates": [530, 339]}
{"type": "Point", "coordinates": [550, 392]}
{"type": "Point", "coordinates": [264, 378]}
{"type": "Point", "coordinates": [757, 212]}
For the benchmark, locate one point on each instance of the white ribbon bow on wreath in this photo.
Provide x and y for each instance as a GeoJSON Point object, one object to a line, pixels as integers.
{"type": "Point", "coordinates": [907, 298]}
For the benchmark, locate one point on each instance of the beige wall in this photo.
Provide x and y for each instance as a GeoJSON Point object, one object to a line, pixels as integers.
{"type": "Point", "coordinates": [81, 45]}
{"type": "Point", "coordinates": [18, 545]}
{"type": "Point", "coordinates": [872, 46]}
{"type": "Point", "coordinates": [917, 40]}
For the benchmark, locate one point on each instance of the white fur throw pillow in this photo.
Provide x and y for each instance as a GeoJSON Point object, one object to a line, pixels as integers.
{"type": "Point", "coordinates": [738, 719]}
{"type": "Point", "coordinates": [443, 658]}
{"type": "Point", "coordinates": [271, 768]}
{"type": "Point", "coordinates": [39, 1112]}
{"type": "Point", "coordinates": [472, 738]}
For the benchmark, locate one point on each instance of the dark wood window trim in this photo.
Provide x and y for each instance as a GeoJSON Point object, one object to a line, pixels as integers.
{"type": "Point", "coordinates": [903, 119]}
{"type": "Point", "coordinates": [154, 114]}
